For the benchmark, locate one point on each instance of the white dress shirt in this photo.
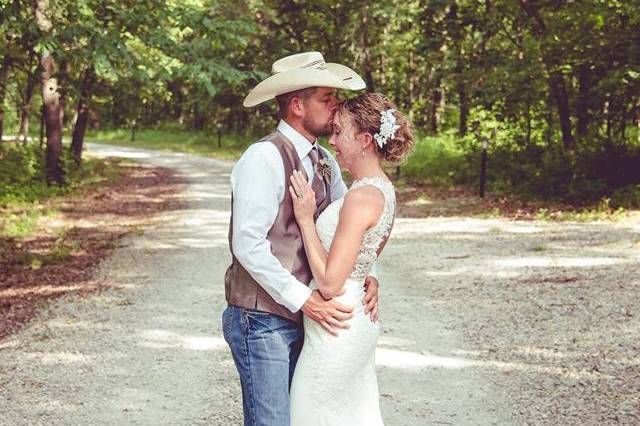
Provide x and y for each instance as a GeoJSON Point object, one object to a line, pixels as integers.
{"type": "Point", "coordinates": [258, 186]}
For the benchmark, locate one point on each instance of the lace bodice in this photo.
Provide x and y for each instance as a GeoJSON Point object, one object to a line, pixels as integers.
{"type": "Point", "coordinates": [328, 222]}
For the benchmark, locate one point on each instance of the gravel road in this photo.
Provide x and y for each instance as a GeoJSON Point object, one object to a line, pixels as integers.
{"type": "Point", "coordinates": [486, 322]}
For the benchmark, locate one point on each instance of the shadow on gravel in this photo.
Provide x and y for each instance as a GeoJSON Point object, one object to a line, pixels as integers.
{"type": "Point", "coordinates": [61, 256]}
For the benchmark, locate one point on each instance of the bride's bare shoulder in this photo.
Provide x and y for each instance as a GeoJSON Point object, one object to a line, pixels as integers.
{"type": "Point", "coordinates": [366, 201]}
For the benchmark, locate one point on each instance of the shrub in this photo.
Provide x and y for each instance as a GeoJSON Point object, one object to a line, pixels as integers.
{"type": "Point", "coordinates": [627, 197]}
{"type": "Point", "coordinates": [439, 160]}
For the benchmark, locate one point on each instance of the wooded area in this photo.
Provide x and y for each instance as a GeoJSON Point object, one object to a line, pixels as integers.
{"type": "Point", "coordinates": [554, 85]}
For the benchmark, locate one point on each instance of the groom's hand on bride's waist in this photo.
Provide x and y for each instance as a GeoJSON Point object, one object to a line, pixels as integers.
{"type": "Point", "coordinates": [370, 301]}
{"type": "Point", "coordinates": [331, 315]}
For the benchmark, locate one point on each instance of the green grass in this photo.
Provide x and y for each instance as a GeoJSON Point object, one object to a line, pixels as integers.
{"type": "Point", "coordinates": [24, 195]}
{"type": "Point", "coordinates": [437, 160]}
{"type": "Point", "coordinates": [20, 223]}
{"type": "Point", "coordinates": [599, 213]}
{"type": "Point", "coordinates": [61, 249]}
{"type": "Point", "coordinates": [174, 140]}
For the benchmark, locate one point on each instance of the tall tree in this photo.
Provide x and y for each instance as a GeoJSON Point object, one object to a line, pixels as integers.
{"type": "Point", "coordinates": [5, 71]}
{"type": "Point", "coordinates": [53, 111]}
{"type": "Point", "coordinates": [82, 115]}
{"type": "Point", "coordinates": [557, 84]}
{"type": "Point", "coordinates": [31, 68]}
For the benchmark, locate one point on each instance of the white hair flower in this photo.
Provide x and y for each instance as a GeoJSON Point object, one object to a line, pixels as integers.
{"type": "Point", "coordinates": [388, 128]}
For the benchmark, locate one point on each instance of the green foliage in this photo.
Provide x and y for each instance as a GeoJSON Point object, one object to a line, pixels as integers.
{"type": "Point", "coordinates": [21, 223]}
{"type": "Point", "coordinates": [62, 248]}
{"type": "Point", "coordinates": [439, 160]}
{"type": "Point", "coordinates": [24, 191]}
{"type": "Point", "coordinates": [22, 177]}
{"type": "Point", "coordinates": [554, 86]}
{"type": "Point", "coordinates": [627, 197]}
{"type": "Point", "coordinates": [601, 211]}
{"type": "Point", "coordinates": [22, 174]}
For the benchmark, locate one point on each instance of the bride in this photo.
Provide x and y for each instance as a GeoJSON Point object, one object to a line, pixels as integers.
{"type": "Point", "coordinates": [335, 382]}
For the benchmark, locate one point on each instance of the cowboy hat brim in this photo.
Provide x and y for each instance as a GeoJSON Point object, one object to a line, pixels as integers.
{"type": "Point", "coordinates": [335, 75]}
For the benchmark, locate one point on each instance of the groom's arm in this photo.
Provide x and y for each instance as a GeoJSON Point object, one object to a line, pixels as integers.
{"type": "Point", "coordinates": [257, 182]}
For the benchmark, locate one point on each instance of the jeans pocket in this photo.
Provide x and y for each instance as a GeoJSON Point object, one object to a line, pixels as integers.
{"type": "Point", "coordinates": [259, 321]}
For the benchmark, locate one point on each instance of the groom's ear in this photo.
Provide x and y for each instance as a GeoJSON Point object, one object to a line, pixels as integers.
{"type": "Point", "coordinates": [296, 107]}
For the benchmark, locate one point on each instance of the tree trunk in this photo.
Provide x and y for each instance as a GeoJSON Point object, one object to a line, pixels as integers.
{"type": "Point", "coordinates": [436, 101]}
{"type": "Point", "coordinates": [582, 103]}
{"type": "Point", "coordinates": [51, 102]}
{"type": "Point", "coordinates": [462, 95]}
{"type": "Point", "coordinates": [549, 120]}
{"type": "Point", "coordinates": [368, 75]}
{"type": "Point", "coordinates": [42, 125]}
{"type": "Point", "coordinates": [607, 113]}
{"type": "Point", "coordinates": [80, 128]}
{"type": "Point", "coordinates": [25, 109]}
{"type": "Point", "coordinates": [623, 121]}
{"type": "Point", "coordinates": [527, 136]}
{"type": "Point", "coordinates": [412, 86]}
{"type": "Point", "coordinates": [559, 93]}
{"type": "Point", "coordinates": [53, 121]}
{"type": "Point", "coordinates": [464, 109]}
{"type": "Point", "coordinates": [557, 86]}
{"type": "Point", "coordinates": [457, 35]}
{"type": "Point", "coordinates": [5, 70]}
{"type": "Point", "coordinates": [63, 83]}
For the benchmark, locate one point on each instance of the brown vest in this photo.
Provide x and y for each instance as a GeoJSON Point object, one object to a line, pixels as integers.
{"type": "Point", "coordinates": [285, 239]}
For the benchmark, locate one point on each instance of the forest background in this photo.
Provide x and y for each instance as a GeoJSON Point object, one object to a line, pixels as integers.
{"type": "Point", "coordinates": [551, 87]}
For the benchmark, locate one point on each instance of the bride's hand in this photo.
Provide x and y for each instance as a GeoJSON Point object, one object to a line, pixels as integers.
{"type": "Point", "coordinates": [304, 199]}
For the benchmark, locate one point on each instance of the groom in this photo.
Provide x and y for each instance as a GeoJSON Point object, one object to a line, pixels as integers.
{"type": "Point", "coordinates": [266, 286]}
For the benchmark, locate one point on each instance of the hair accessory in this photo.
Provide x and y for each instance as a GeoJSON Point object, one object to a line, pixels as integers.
{"type": "Point", "coordinates": [388, 127]}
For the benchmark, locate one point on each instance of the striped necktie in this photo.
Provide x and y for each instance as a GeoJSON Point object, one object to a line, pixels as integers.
{"type": "Point", "coordinates": [317, 183]}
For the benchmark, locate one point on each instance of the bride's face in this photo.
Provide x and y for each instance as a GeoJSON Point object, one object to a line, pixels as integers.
{"type": "Point", "coordinates": [344, 140]}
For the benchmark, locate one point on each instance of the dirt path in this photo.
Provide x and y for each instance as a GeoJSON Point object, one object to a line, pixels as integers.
{"type": "Point", "coordinates": [74, 233]}
{"type": "Point", "coordinates": [485, 322]}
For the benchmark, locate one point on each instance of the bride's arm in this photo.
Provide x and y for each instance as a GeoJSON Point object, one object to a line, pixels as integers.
{"type": "Point", "coordinates": [360, 211]}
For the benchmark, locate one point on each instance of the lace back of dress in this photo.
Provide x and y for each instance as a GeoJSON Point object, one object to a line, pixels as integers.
{"type": "Point", "coordinates": [376, 235]}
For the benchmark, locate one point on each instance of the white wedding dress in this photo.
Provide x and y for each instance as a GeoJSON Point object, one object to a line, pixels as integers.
{"type": "Point", "coordinates": [335, 383]}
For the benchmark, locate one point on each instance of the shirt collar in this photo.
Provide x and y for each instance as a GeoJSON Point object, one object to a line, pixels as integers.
{"type": "Point", "coordinates": [300, 143]}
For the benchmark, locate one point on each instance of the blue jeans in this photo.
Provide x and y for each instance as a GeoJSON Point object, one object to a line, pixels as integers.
{"type": "Point", "coordinates": [265, 349]}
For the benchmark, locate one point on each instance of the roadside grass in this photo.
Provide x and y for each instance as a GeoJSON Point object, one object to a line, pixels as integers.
{"type": "Point", "coordinates": [63, 246]}
{"type": "Point", "coordinates": [587, 214]}
{"type": "Point", "coordinates": [26, 199]}
{"type": "Point", "coordinates": [20, 221]}
{"type": "Point", "coordinates": [176, 140]}
{"type": "Point", "coordinates": [437, 160]}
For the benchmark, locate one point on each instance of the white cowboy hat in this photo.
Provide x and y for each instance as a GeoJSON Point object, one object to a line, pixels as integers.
{"type": "Point", "coordinates": [301, 71]}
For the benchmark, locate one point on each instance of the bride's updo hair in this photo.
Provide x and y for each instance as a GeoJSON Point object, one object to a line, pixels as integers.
{"type": "Point", "coordinates": [366, 111]}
